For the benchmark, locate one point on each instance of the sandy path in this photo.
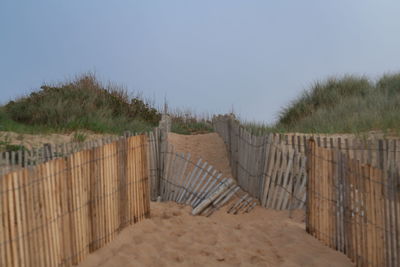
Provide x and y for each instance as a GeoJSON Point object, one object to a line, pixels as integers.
{"type": "Point", "coordinates": [172, 237]}
{"type": "Point", "coordinates": [209, 147]}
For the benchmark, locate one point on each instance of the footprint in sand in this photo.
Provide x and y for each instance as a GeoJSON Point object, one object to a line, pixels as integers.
{"type": "Point", "coordinates": [176, 213]}
{"type": "Point", "coordinates": [137, 240]}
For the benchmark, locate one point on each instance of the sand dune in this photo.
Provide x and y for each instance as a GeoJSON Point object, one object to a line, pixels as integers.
{"type": "Point", "coordinates": [37, 140]}
{"type": "Point", "coordinates": [209, 147]}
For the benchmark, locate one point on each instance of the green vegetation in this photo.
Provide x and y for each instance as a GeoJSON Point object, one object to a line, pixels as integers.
{"type": "Point", "coordinates": [349, 104]}
{"type": "Point", "coordinates": [87, 104]}
{"type": "Point", "coordinates": [5, 144]}
{"type": "Point", "coordinates": [79, 137]}
{"type": "Point", "coordinates": [84, 103]}
{"type": "Point", "coordinates": [187, 122]}
{"type": "Point", "coordinates": [190, 127]}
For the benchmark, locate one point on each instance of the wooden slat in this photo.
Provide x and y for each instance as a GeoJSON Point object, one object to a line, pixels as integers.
{"type": "Point", "coordinates": [188, 180]}
{"type": "Point", "coordinates": [208, 186]}
{"type": "Point", "coordinates": [190, 189]}
{"type": "Point", "coordinates": [284, 190]}
{"type": "Point", "coordinates": [7, 191]}
{"type": "Point", "coordinates": [196, 189]}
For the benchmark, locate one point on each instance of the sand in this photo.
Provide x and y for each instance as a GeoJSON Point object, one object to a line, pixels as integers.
{"type": "Point", "coordinates": [173, 237]}
{"type": "Point", "coordinates": [209, 147]}
{"type": "Point", "coordinates": [30, 141]}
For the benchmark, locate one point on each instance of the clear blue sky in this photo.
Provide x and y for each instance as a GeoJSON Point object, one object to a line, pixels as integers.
{"type": "Point", "coordinates": [207, 55]}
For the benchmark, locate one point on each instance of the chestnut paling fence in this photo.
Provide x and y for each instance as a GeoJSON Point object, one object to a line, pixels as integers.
{"type": "Point", "coordinates": [56, 212]}
{"type": "Point", "coordinates": [264, 166]}
{"type": "Point", "coordinates": [354, 207]}
{"type": "Point", "coordinates": [58, 205]}
{"type": "Point", "coordinates": [352, 185]}
{"type": "Point", "coordinates": [200, 185]}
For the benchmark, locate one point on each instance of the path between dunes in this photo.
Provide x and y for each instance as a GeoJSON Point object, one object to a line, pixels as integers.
{"type": "Point", "coordinates": [173, 237]}
{"type": "Point", "coordinates": [209, 147]}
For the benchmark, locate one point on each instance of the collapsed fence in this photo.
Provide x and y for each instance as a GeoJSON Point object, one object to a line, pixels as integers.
{"type": "Point", "coordinates": [55, 213]}
{"type": "Point", "coordinates": [354, 207]}
{"type": "Point", "coordinates": [198, 184]}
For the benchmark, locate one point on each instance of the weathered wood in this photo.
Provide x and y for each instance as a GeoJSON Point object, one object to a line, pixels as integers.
{"type": "Point", "coordinates": [223, 187]}
{"type": "Point", "coordinates": [237, 203]}
{"type": "Point", "coordinates": [194, 176]}
{"type": "Point", "coordinates": [188, 180]}
{"type": "Point", "coordinates": [353, 207]}
{"type": "Point", "coordinates": [196, 182]}
{"type": "Point", "coordinates": [207, 187]}
{"type": "Point", "coordinates": [51, 214]}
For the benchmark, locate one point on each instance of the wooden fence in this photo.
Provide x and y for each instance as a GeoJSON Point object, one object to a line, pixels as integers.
{"type": "Point", "coordinates": [354, 207]}
{"type": "Point", "coordinates": [57, 212]}
{"type": "Point", "coordinates": [376, 151]}
{"type": "Point", "coordinates": [14, 160]}
{"type": "Point", "coordinates": [264, 166]}
{"type": "Point", "coordinates": [199, 185]}
{"type": "Point", "coordinates": [156, 138]}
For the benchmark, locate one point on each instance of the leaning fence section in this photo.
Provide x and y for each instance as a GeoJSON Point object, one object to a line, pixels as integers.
{"type": "Point", "coordinates": [198, 184]}
{"type": "Point", "coordinates": [55, 213]}
{"type": "Point", "coordinates": [354, 207]}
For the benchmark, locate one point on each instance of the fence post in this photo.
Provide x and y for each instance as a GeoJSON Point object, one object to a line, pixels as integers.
{"type": "Point", "coordinates": [311, 146]}
{"type": "Point", "coordinates": [165, 128]}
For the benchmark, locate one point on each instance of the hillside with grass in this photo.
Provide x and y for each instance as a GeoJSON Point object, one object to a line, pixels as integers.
{"type": "Point", "coordinates": [349, 104]}
{"type": "Point", "coordinates": [84, 103]}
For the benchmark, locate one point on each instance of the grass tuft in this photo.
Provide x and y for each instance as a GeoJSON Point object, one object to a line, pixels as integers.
{"type": "Point", "coordinates": [188, 122]}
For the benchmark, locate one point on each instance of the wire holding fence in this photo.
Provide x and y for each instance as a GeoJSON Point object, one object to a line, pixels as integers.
{"type": "Point", "coordinates": [354, 207]}
{"type": "Point", "coordinates": [55, 213]}
{"type": "Point", "coordinates": [351, 186]}
{"type": "Point", "coordinates": [273, 173]}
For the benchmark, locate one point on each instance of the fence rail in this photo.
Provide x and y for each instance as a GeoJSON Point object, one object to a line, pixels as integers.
{"type": "Point", "coordinates": [354, 207]}
{"type": "Point", "coordinates": [57, 212]}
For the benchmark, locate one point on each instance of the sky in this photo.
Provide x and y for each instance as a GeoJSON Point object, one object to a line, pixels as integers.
{"type": "Point", "coordinates": [211, 56]}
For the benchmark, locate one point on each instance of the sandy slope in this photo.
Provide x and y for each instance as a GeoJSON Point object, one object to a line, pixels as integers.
{"type": "Point", "coordinates": [209, 147]}
{"type": "Point", "coordinates": [173, 237]}
{"type": "Point", "coordinates": [38, 140]}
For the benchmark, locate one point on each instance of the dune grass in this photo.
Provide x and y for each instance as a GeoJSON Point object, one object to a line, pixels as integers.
{"type": "Point", "coordinates": [186, 121]}
{"type": "Point", "coordinates": [86, 104]}
{"type": "Point", "coordinates": [83, 103]}
{"type": "Point", "coordinates": [349, 104]}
